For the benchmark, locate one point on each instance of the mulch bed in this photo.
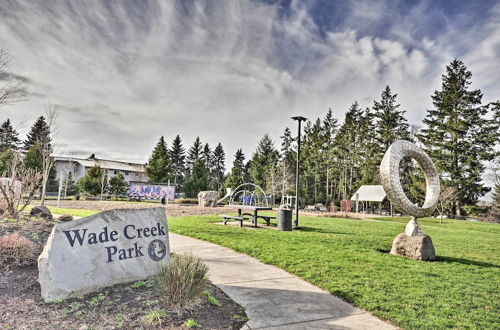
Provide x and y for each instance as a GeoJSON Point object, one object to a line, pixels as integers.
{"type": "Point", "coordinates": [121, 306]}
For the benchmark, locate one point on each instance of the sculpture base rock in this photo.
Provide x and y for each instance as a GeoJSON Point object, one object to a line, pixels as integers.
{"type": "Point", "coordinates": [414, 247]}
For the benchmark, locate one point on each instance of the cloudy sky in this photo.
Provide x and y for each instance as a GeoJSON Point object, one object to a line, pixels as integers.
{"type": "Point", "coordinates": [122, 73]}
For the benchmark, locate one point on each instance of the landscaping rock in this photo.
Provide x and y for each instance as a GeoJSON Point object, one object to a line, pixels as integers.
{"type": "Point", "coordinates": [41, 212]}
{"type": "Point", "coordinates": [414, 247]}
{"type": "Point", "coordinates": [108, 248]}
{"type": "Point", "coordinates": [65, 217]}
{"type": "Point", "coordinates": [207, 198]}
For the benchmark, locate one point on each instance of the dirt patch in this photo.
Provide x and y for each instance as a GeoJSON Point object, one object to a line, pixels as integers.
{"type": "Point", "coordinates": [121, 306]}
{"type": "Point", "coordinates": [173, 210]}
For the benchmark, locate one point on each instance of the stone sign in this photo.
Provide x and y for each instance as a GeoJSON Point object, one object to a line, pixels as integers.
{"type": "Point", "coordinates": [108, 248]}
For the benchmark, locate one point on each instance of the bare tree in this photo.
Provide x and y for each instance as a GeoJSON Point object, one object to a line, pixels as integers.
{"type": "Point", "coordinates": [103, 182]}
{"type": "Point", "coordinates": [11, 86]}
{"type": "Point", "coordinates": [447, 196]}
{"type": "Point", "coordinates": [47, 159]}
{"type": "Point", "coordinates": [18, 189]}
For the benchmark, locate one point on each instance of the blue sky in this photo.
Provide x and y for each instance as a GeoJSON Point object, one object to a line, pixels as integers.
{"type": "Point", "coordinates": [122, 73]}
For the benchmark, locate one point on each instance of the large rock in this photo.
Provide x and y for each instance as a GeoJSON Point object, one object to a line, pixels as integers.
{"type": "Point", "coordinates": [414, 247]}
{"type": "Point", "coordinates": [108, 248]}
{"type": "Point", "coordinates": [41, 212]}
{"type": "Point", "coordinates": [207, 198]}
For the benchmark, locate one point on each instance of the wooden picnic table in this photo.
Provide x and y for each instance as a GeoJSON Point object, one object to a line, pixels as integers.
{"type": "Point", "coordinates": [255, 212]}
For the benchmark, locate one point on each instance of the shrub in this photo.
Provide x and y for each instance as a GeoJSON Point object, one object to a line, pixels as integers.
{"type": "Point", "coordinates": [182, 281]}
{"type": "Point", "coordinates": [16, 250]}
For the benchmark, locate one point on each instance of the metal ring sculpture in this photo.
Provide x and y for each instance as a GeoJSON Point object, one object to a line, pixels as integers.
{"type": "Point", "coordinates": [389, 175]}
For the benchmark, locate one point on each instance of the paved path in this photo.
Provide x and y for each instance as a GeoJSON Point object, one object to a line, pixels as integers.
{"type": "Point", "coordinates": [273, 298]}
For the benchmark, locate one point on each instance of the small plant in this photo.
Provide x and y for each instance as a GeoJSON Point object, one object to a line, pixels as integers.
{"type": "Point", "coordinates": [120, 319]}
{"type": "Point", "coordinates": [155, 318]}
{"type": "Point", "coordinates": [182, 281]}
{"type": "Point", "coordinates": [191, 323]}
{"type": "Point", "coordinates": [16, 250]}
{"type": "Point", "coordinates": [211, 299]}
{"type": "Point", "coordinates": [138, 284]}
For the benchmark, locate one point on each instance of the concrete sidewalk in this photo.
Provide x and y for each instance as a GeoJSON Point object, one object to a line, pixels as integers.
{"type": "Point", "coordinates": [273, 298]}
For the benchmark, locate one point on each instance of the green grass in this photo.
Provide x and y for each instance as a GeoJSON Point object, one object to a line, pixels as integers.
{"type": "Point", "coordinates": [349, 259]}
{"type": "Point", "coordinates": [72, 212]}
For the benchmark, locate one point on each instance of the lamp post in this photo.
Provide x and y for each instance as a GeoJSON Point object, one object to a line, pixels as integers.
{"type": "Point", "coordinates": [299, 119]}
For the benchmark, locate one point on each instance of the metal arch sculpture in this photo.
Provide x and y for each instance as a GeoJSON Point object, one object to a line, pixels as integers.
{"type": "Point", "coordinates": [248, 197]}
{"type": "Point", "coordinates": [391, 181]}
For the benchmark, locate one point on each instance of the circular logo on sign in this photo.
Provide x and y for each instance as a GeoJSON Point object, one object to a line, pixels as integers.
{"type": "Point", "coordinates": [157, 250]}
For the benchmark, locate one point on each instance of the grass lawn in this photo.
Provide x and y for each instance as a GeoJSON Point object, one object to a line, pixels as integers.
{"type": "Point", "coordinates": [72, 212]}
{"type": "Point", "coordinates": [349, 259]}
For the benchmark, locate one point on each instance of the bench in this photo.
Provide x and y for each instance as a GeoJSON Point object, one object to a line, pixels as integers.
{"type": "Point", "coordinates": [266, 218]}
{"type": "Point", "coordinates": [232, 217]}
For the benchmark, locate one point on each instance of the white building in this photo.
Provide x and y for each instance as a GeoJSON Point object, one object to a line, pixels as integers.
{"type": "Point", "coordinates": [79, 167]}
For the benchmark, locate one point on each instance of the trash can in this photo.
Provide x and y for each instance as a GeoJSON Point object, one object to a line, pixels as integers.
{"type": "Point", "coordinates": [285, 219]}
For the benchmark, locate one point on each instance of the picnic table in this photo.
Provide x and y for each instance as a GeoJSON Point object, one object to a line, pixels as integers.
{"type": "Point", "coordinates": [252, 212]}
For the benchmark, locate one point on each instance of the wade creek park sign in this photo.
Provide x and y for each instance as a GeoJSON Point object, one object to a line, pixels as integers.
{"type": "Point", "coordinates": [108, 248]}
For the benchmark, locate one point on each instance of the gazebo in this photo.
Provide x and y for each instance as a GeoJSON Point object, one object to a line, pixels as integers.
{"type": "Point", "coordinates": [366, 194]}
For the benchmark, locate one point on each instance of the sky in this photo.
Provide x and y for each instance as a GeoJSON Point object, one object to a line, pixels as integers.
{"type": "Point", "coordinates": [122, 73]}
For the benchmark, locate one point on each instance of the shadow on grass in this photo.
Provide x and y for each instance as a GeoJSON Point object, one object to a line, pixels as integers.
{"type": "Point", "coordinates": [466, 262]}
{"type": "Point", "coordinates": [324, 231]}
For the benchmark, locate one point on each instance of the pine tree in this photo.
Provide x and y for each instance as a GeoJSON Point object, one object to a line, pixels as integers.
{"type": "Point", "coordinates": [90, 183]}
{"type": "Point", "coordinates": [177, 160]}
{"type": "Point", "coordinates": [263, 162]}
{"type": "Point", "coordinates": [348, 152]}
{"type": "Point", "coordinates": [206, 157]}
{"type": "Point", "coordinates": [34, 157]}
{"type": "Point", "coordinates": [158, 166]}
{"type": "Point", "coordinates": [9, 138]}
{"type": "Point", "coordinates": [40, 132]}
{"type": "Point", "coordinates": [238, 174]}
{"type": "Point", "coordinates": [218, 167]}
{"type": "Point", "coordinates": [197, 181]}
{"type": "Point", "coordinates": [458, 136]}
{"type": "Point", "coordinates": [391, 124]}
{"type": "Point", "coordinates": [69, 186]}
{"type": "Point", "coordinates": [194, 153]}
{"type": "Point", "coordinates": [117, 185]}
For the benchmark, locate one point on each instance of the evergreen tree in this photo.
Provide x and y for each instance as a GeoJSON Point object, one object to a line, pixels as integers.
{"type": "Point", "coordinates": [40, 132]}
{"type": "Point", "coordinates": [458, 136]}
{"type": "Point", "coordinates": [391, 125]}
{"type": "Point", "coordinates": [177, 160]}
{"type": "Point", "coordinates": [9, 138]}
{"type": "Point", "coordinates": [117, 185]}
{"type": "Point", "coordinates": [6, 159]}
{"type": "Point", "coordinates": [34, 157]}
{"type": "Point", "coordinates": [263, 162]}
{"type": "Point", "coordinates": [206, 156]}
{"type": "Point", "coordinates": [69, 186]}
{"type": "Point", "coordinates": [218, 167]}
{"type": "Point", "coordinates": [197, 181]}
{"type": "Point", "coordinates": [158, 166]}
{"type": "Point", "coordinates": [193, 154]}
{"type": "Point", "coordinates": [90, 184]}
{"type": "Point", "coordinates": [238, 174]}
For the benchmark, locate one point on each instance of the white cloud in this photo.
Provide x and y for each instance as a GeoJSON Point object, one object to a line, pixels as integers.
{"type": "Point", "coordinates": [122, 76]}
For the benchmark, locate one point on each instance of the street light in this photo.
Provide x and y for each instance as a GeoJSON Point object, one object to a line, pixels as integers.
{"type": "Point", "coordinates": [300, 119]}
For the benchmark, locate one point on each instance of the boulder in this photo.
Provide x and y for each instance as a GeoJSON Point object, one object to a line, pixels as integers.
{"type": "Point", "coordinates": [65, 217]}
{"type": "Point", "coordinates": [41, 212]}
{"type": "Point", "coordinates": [111, 247]}
{"type": "Point", "coordinates": [207, 198]}
{"type": "Point", "coordinates": [414, 247]}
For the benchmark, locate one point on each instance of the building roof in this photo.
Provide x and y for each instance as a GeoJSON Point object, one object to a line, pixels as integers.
{"type": "Point", "coordinates": [103, 163]}
{"type": "Point", "coordinates": [370, 194]}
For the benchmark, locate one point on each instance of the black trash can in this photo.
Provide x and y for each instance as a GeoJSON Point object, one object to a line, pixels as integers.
{"type": "Point", "coordinates": [285, 219]}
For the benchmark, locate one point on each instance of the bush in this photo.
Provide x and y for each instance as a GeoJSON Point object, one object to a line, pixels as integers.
{"type": "Point", "coordinates": [182, 281]}
{"type": "Point", "coordinates": [16, 250]}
